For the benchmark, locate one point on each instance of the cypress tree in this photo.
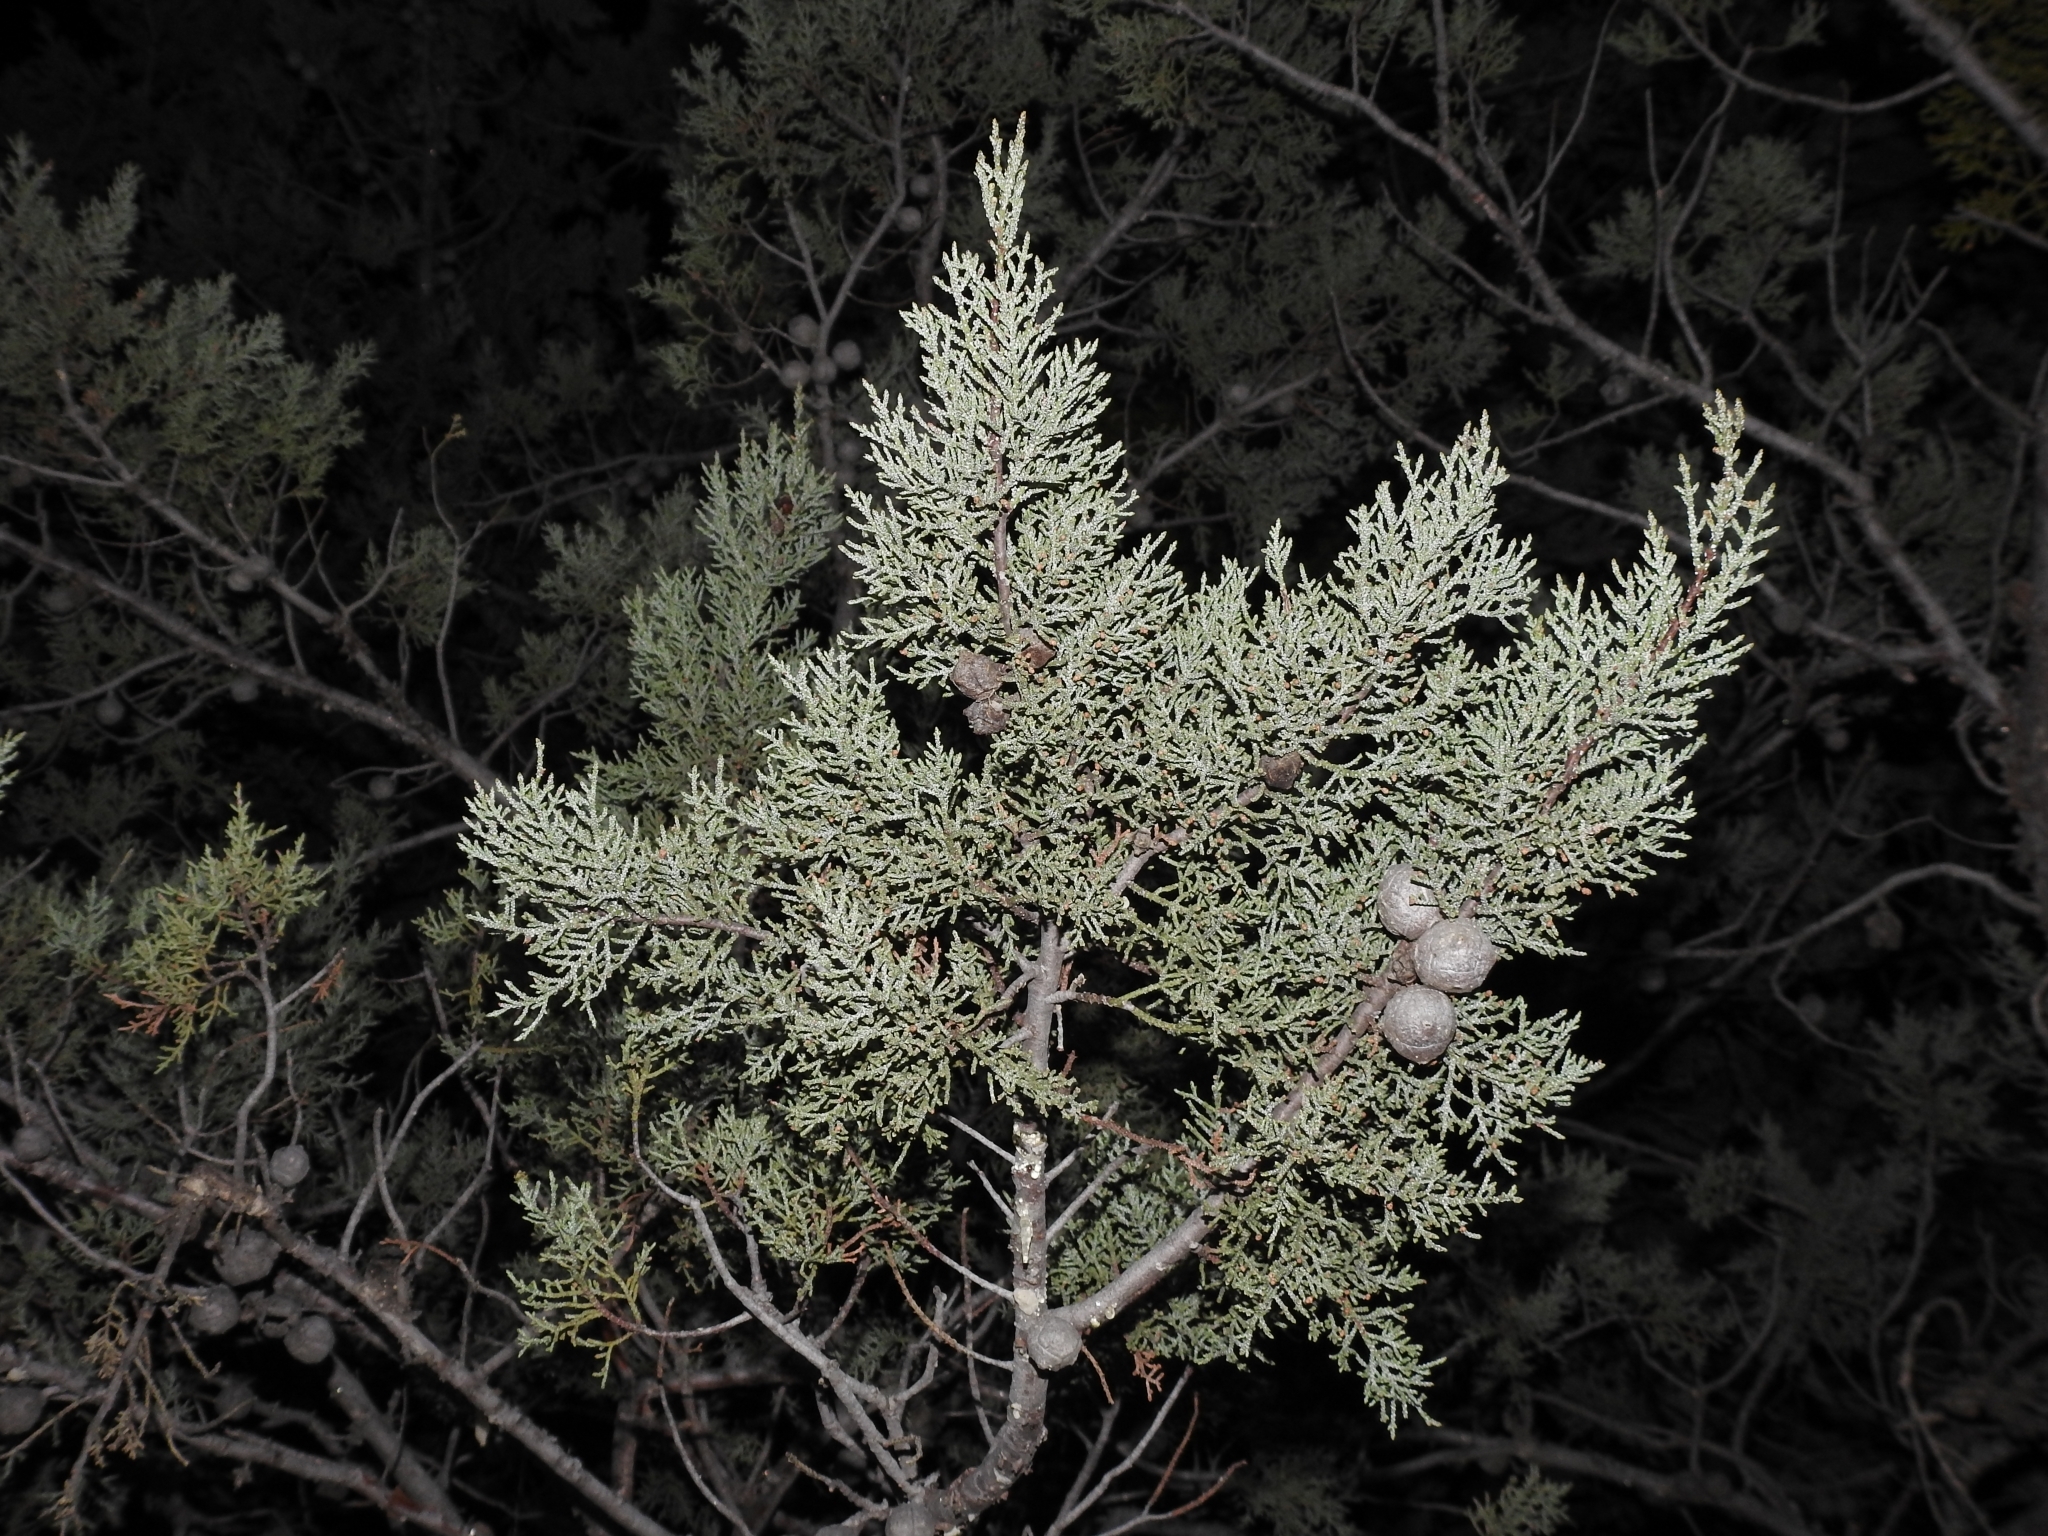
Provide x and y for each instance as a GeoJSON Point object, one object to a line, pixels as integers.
{"type": "Point", "coordinates": [1097, 1024]}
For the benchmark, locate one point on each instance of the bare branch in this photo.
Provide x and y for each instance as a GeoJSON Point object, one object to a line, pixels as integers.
{"type": "Point", "coordinates": [397, 720]}
{"type": "Point", "coordinates": [470, 1381]}
{"type": "Point", "coordinates": [390, 1148]}
{"type": "Point", "coordinates": [353, 1399]}
{"type": "Point", "coordinates": [1549, 308]}
{"type": "Point", "coordinates": [1140, 203]}
{"type": "Point", "coordinates": [1671, 1488]}
{"type": "Point", "coordinates": [396, 1504]}
{"type": "Point", "coordinates": [1749, 82]}
{"type": "Point", "coordinates": [1868, 899]}
{"type": "Point", "coordinates": [1076, 1508]}
{"type": "Point", "coordinates": [1950, 44]}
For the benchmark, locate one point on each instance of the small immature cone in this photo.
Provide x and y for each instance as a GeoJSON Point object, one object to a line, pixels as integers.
{"type": "Point", "coordinates": [1400, 966]}
{"type": "Point", "coordinates": [1034, 652]}
{"type": "Point", "coordinates": [235, 1398]}
{"type": "Point", "coordinates": [275, 1313]}
{"type": "Point", "coordinates": [387, 1283]}
{"type": "Point", "coordinates": [979, 676]}
{"type": "Point", "coordinates": [21, 1409]}
{"type": "Point", "coordinates": [1419, 1023]}
{"type": "Point", "coordinates": [1281, 772]}
{"type": "Point", "coordinates": [290, 1165]}
{"type": "Point", "coordinates": [33, 1143]}
{"type": "Point", "coordinates": [985, 717]}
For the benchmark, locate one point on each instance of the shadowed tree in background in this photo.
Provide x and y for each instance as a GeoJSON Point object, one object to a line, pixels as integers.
{"type": "Point", "coordinates": [441, 184]}
{"type": "Point", "coordinates": [1799, 1288]}
{"type": "Point", "coordinates": [452, 186]}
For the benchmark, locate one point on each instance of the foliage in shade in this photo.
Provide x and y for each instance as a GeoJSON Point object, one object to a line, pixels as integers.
{"type": "Point", "coordinates": [706, 637]}
{"type": "Point", "coordinates": [166, 379]}
{"type": "Point", "coordinates": [2007, 186]}
{"type": "Point", "coordinates": [158, 420]}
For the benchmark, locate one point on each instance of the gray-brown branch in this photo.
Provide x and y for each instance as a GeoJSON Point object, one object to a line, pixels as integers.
{"type": "Point", "coordinates": [1548, 308]}
{"type": "Point", "coordinates": [394, 718]}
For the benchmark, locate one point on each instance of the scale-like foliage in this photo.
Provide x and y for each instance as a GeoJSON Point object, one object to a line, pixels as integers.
{"type": "Point", "coordinates": [706, 637]}
{"type": "Point", "coordinates": [185, 392]}
{"type": "Point", "coordinates": [2007, 187]}
{"type": "Point", "coordinates": [1133, 913]}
